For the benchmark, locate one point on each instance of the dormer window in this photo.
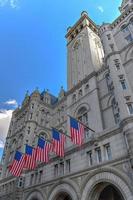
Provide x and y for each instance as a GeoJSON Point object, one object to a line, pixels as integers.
{"type": "Point", "coordinates": [81, 26]}
{"type": "Point", "coordinates": [77, 31]}
{"type": "Point", "coordinates": [74, 98]}
{"type": "Point", "coordinates": [80, 93]}
{"type": "Point", "coordinates": [72, 36]}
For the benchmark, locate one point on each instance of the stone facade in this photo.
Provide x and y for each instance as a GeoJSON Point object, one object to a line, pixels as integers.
{"type": "Point", "coordinates": [100, 93]}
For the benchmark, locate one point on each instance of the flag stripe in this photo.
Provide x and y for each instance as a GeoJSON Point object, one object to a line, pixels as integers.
{"type": "Point", "coordinates": [59, 144]}
{"type": "Point", "coordinates": [30, 159]}
{"type": "Point", "coordinates": [17, 166]}
{"type": "Point", "coordinates": [42, 153]}
{"type": "Point", "coordinates": [77, 132]}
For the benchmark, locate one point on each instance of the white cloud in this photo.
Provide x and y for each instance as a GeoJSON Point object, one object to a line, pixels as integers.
{"type": "Point", "coordinates": [12, 102]}
{"type": "Point", "coordinates": [14, 3]}
{"type": "Point", "coordinates": [11, 3]}
{"type": "Point", "coordinates": [101, 9]}
{"type": "Point", "coordinates": [5, 118]}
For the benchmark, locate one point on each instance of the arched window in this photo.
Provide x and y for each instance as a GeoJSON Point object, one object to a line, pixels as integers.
{"type": "Point", "coordinates": [124, 28]}
{"type": "Point", "coordinates": [82, 115]}
{"type": "Point", "coordinates": [115, 111]}
{"type": "Point", "coordinates": [43, 135]}
{"type": "Point", "coordinates": [109, 82]}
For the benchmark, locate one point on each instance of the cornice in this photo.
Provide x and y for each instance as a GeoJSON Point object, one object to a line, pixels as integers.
{"type": "Point", "coordinates": [121, 17]}
{"type": "Point", "coordinates": [77, 24]}
{"type": "Point", "coordinates": [117, 52]}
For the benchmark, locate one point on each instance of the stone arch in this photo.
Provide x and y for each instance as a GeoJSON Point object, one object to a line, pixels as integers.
{"type": "Point", "coordinates": [129, 54]}
{"type": "Point", "coordinates": [43, 134]}
{"type": "Point", "coordinates": [110, 99]}
{"type": "Point", "coordinates": [35, 195]}
{"type": "Point", "coordinates": [81, 106]}
{"type": "Point", "coordinates": [68, 187]}
{"type": "Point", "coordinates": [106, 176]}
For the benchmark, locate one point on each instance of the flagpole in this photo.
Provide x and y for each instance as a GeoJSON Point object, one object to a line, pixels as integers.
{"type": "Point", "coordinates": [82, 123]}
{"type": "Point", "coordinates": [61, 132]}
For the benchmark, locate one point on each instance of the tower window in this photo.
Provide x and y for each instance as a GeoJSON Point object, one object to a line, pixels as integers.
{"type": "Point", "coordinates": [130, 108]}
{"type": "Point", "coordinates": [123, 84]}
{"type": "Point", "coordinates": [117, 64]}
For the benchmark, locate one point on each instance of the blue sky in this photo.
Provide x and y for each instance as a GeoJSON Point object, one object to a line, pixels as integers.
{"type": "Point", "coordinates": [33, 45]}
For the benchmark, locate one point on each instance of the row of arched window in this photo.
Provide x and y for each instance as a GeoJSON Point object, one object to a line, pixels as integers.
{"type": "Point", "coordinates": [80, 93]}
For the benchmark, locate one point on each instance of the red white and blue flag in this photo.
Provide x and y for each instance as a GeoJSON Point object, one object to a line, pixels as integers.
{"type": "Point", "coordinates": [77, 131]}
{"type": "Point", "coordinates": [58, 141]}
{"type": "Point", "coordinates": [30, 157]}
{"type": "Point", "coordinates": [42, 150]}
{"type": "Point", "coordinates": [18, 164]}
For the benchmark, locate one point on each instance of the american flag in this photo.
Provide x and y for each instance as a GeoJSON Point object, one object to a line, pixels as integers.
{"type": "Point", "coordinates": [77, 131]}
{"type": "Point", "coordinates": [42, 150]}
{"type": "Point", "coordinates": [58, 141]}
{"type": "Point", "coordinates": [18, 164]}
{"type": "Point", "coordinates": [30, 157]}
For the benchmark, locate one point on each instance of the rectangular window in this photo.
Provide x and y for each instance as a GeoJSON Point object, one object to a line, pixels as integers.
{"type": "Point", "coordinates": [68, 166]}
{"type": "Point", "coordinates": [31, 179]}
{"type": "Point", "coordinates": [62, 168]}
{"type": "Point", "coordinates": [89, 158]}
{"type": "Point", "coordinates": [108, 152]}
{"type": "Point", "coordinates": [98, 154]}
{"type": "Point", "coordinates": [123, 84]}
{"type": "Point", "coordinates": [130, 108]}
{"type": "Point", "coordinates": [56, 169]}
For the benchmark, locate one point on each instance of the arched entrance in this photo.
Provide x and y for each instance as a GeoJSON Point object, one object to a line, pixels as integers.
{"type": "Point", "coordinates": [99, 184]}
{"type": "Point", "coordinates": [63, 196]}
{"type": "Point", "coordinates": [110, 193]}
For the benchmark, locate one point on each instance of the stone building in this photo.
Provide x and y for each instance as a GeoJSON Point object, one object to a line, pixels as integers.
{"type": "Point", "coordinates": [100, 93]}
